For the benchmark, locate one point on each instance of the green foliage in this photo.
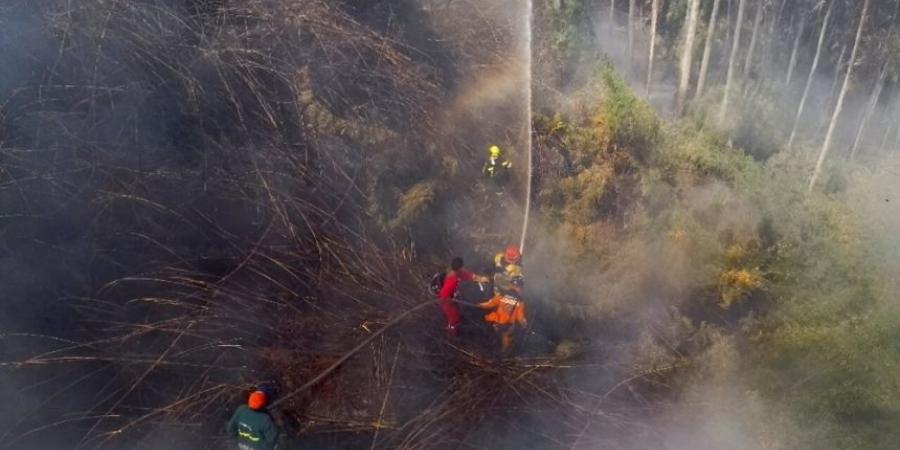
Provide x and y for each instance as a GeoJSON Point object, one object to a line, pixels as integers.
{"type": "Point", "coordinates": [597, 155]}
{"type": "Point", "coordinates": [704, 154]}
{"type": "Point", "coordinates": [729, 214]}
{"type": "Point", "coordinates": [569, 28]}
{"type": "Point", "coordinates": [631, 121]}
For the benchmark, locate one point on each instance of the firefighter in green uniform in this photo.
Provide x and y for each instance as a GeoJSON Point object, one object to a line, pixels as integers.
{"type": "Point", "coordinates": [252, 426]}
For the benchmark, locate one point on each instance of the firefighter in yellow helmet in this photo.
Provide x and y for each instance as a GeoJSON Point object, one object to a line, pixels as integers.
{"type": "Point", "coordinates": [508, 274]}
{"type": "Point", "coordinates": [496, 168]}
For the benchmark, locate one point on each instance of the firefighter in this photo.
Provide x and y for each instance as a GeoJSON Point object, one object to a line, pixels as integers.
{"type": "Point", "coordinates": [448, 290]}
{"type": "Point", "coordinates": [252, 426]}
{"type": "Point", "coordinates": [508, 311]}
{"type": "Point", "coordinates": [508, 274]}
{"type": "Point", "coordinates": [496, 168]}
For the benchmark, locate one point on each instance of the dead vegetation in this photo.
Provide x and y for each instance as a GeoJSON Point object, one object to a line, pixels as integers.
{"type": "Point", "coordinates": [250, 186]}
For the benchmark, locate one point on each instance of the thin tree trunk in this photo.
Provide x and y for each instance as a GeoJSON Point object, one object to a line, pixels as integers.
{"type": "Point", "coordinates": [707, 47]}
{"type": "Point", "coordinates": [884, 138]}
{"type": "Point", "coordinates": [812, 72]}
{"type": "Point", "coordinates": [631, 9]}
{"type": "Point", "coordinates": [870, 109]}
{"type": "Point", "coordinates": [887, 130]}
{"type": "Point", "coordinates": [687, 56]}
{"type": "Point", "coordinates": [832, 93]}
{"type": "Point", "coordinates": [840, 104]}
{"type": "Point", "coordinates": [891, 113]}
{"type": "Point", "coordinates": [771, 37]}
{"type": "Point", "coordinates": [753, 36]}
{"type": "Point", "coordinates": [612, 17]}
{"type": "Point", "coordinates": [640, 17]}
{"type": "Point", "coordinates": [897, 140]}
{"type": "Point", "coordinates": [735, 46]}
{"type": "Point", "coordinates": [653, 22]}
{"type": "Point", "coordinates": [728, 13]}
{"type": "Point", "coordinates": [793, 63]}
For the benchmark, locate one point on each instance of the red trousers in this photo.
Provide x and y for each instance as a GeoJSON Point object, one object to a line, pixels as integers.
{"type": "Point", "coordinates": [450, 312]}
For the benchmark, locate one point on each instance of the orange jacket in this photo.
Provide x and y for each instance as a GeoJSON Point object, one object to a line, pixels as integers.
{"type": "Point", "coordinates": [507, 310]}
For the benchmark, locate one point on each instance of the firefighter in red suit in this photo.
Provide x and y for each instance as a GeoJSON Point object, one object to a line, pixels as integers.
{"type": "Point", "coordinates": [448, 291]}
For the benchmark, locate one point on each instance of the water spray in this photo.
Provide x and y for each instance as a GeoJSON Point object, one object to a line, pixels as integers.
{"type": "Point", "coordinates": [528, 38]}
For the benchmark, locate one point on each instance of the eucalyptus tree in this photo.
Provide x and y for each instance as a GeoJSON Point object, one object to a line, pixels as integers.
{"type": "Point", "coordinates": [687, 55]}
{"type": "Point", "coordinates": [870, 109]}
{"type": "Point", "coordinates": [801, 27]}
{"type": "Point", "coordinates": [812, 72]}
{"type": "Point", "coordinates": [707, 47]}
{"type": "Point", "coordinates": [654, 19]}
{"type": "Point", "coordinates": [772, 36]}
{"type": "Point", "coordinates": [760, 8]}
{"type": "Point", "coordinates": [829, 135]}
{"type": "Point", "coordinates": [735, 47]}
{"type": "Point", "coordinates": [631, 8]}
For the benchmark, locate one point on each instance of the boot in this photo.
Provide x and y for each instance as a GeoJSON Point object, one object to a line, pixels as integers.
{"type": "Point", "coordinates": [505, 341]}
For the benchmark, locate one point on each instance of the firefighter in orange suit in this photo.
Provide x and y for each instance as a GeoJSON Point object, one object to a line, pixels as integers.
{"type": "Point", "coordinates": [507, 312]}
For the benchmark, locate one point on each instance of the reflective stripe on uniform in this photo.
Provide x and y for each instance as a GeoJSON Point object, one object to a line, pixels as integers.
{"type": "Point", "coordinates": [243, 431]}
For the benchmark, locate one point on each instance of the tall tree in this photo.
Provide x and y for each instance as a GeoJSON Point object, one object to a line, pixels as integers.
{"type": "Point", "coordinates": [707, 47]}
{"type": "Point", "coordinates": [612, 17]}
{"type": "Point", "coordinates": [735, 46]}
{"type": "Point", "coordinates": [812, 73]}
{"type": "Point", "coordinates": [631, 9]}
{"type": "Point", "coordinates": [838, 71]}
{"type": "Point", "coordinates": [891, 122]}
{"type": "Point", "coordinates": [687, 55]}
{"type": "Point", "coordinates": [753, 36]}
{"type": "Point", "coordinates": [728, 14]}
{"type": "Point", "coordinates": [840, 104]}
{"type": "Point", "coordinates": [771, 37]}
{"type": "Point", "coordinates": [793, 62]}
{"type": "Point", "coordinates": [897, 140]}
{"type": "Point", "coordinates": [870, 109]}
{"type": "Point", "coordinates": [653, 22]}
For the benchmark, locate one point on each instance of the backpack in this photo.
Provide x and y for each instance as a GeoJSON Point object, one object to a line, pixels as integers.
{"type": "Point", "coordinates": [437, 282]}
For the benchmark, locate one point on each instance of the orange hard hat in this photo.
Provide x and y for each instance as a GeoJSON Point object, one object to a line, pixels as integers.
{"type": "Point", "coordinates": [512, 254]}
{"type": "Point", "coordinates": [257, 400]}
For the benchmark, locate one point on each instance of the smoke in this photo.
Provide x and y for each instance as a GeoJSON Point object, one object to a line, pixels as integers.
{"type": "Point", "coordinates": [163, 143]}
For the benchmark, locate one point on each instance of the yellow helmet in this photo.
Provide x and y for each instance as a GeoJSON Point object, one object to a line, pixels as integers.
{"type": "Point", "coordinates": [494, 151]}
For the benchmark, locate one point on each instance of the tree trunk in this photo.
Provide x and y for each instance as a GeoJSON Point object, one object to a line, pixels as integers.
{"type": "Point", "coordinates": [891, 119]}
{"type": "Point", "coordinates": [870, 109]}
{"type": "Point", "coordinates": [653, 22]}
{"type": "Point", "coordinates": [735, 46]}
{"type": "Point", "coordinates": [631, 9]}
{"type": "Point", "coordinates": [771, 37]}
{"type": "Point", "coordinates": [832, 93]}
{"type": "Point", "coordinates": [612, 17]}
{"type": "Point", "coordinates": [707, 47]}
{"type": "Point", "coordinates": [887, 129]}
{"type": "Point", "coordinates": [897, 140]}
{"type": "Point", "coordinates": [687, 56]}
{"type": "Point", "coordinates": [728, 13]}
{"type": "Point", "coordinates": [840, 104]}
{"type": "Point", "coordinates": [793, 63]}
{"type": "Point", "coordinates": [812, 72]}
{"type": "Point", "coordinates": [640, 17]}
{"type": "Point", "coordinates": [753, 36]}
